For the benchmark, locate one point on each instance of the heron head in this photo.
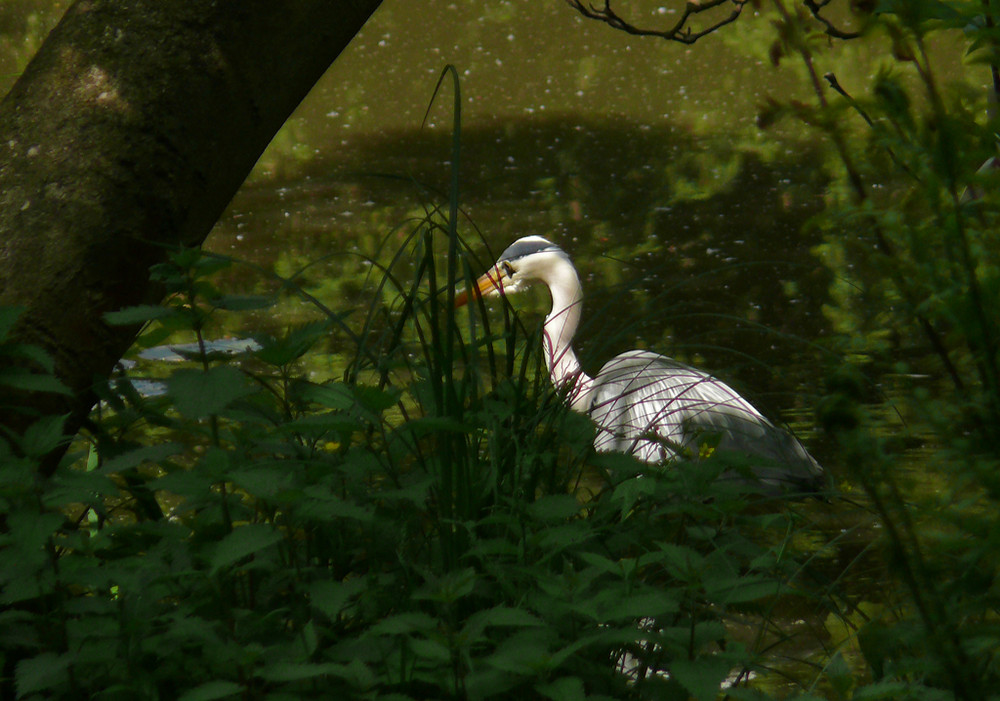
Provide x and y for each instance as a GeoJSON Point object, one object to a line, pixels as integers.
{"type": "Point", "coordinates": [522, 262]}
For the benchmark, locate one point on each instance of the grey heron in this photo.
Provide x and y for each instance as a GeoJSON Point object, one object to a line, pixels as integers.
{"type": "Point", "coordinates": [643, 403]}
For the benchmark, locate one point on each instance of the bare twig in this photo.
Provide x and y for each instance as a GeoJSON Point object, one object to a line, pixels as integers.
{"type": "Point", "coordinates": [816, 7]}
{"type": "Point", "coordinates": [679, 31]}
{"type": "Point", "coordinates": [836, 87]}
{"type": "Point", "coordinates": [861, 195]}
{"type": "Point", "coordinates": [994, 95]}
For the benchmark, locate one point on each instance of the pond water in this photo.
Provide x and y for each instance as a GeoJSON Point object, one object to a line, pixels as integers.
{"type": "Point", "coordinates": [640, 157]}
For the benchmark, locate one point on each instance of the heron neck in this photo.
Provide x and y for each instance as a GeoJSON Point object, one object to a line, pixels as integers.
{"type": "Point", "coordinates": [560, 326]}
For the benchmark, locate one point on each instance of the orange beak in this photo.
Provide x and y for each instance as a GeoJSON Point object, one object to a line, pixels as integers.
{"type": "Point", "coordinates": [490, 283]}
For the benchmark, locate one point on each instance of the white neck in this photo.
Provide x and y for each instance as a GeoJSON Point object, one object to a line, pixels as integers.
{"type": "Point", "coordinates": [560, 325]}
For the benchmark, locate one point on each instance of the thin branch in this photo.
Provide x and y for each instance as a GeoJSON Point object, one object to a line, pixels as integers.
{"type": "Point", "coordinates": [816, 7]}
{"type": "Point", "coordinates": [836, 87]}
{"type": "Point", "coordinates": [994, 94]}
{"type": "Point", "coordinates": [678, 32]}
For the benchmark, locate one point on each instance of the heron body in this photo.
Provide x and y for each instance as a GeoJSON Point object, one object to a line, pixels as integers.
{"type": "Point", "coordinates": [646, 404]}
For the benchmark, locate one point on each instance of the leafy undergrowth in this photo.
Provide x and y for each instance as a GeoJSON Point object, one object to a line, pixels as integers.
{"type": "Point", "coordinates": [430, 523]}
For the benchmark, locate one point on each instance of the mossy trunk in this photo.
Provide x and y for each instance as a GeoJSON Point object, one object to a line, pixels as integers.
{"type": "Point", "coordinates": [126, 136]}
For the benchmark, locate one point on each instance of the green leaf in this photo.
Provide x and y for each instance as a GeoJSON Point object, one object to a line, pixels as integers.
{"type": "Point", "coordinates": [35, 354]}
{"type": "Point", "coordinates": [839, 675]}
{"type": "Point", "coordinates": [555, 507]}
{"type": "Point", "coordinates": [684, 563]}
{"type": "Point", "coordinates": [702, 677]}
{"type": "Point", "coordinates": [137, 315]}
{"type": "Point", "coordinates": [879, 691]}
{"type": "Point", "coordinates": [429, 425]}
{"type": "Point", "coordinates": [318, 425]}
{"type": "Point", "coordinates": [429, 649]}
{"type": "Point", "coordinates": [210, 691]}
{"type": "Point", "coordinates": [738, 590]}
{"type": "Point", "coordinates": [563, 689]}
{"type": "Point", "coordinates": [741, 693]}
{"type": "Point", "coordinates": [8, 317]}
{"type": "Point", "coordinates": [332, 597]}
{"type": "Point", "coordinates": [40, 673]}
{"type": "Point", "coordinates": [20, 378]}
{"type": "Point", "coordinates": [299, 671]}
{"type": "Point", "coordinates": [333, 396]}
{"type": "Point", "coordinates": [914, 12]}
{"type": "Point", "coordinates": [327, 505]}
{"type": "Point", "coordinates": [649, 604]}
{"type": "Point", "coordinates": [44, 436]}
{"type": "Point", "coordinates": [242, 303]}
{"type": "Point", "coordinates": [201, 393]}
{"type": "Point", "coordinates": [404, 624]}
{"type": "Point", "coordinates": [524, 653]}
{"type": "Point", "coordinates": [31, 530]}
{"type": "Point", "coordinates": [374, 399]}
{"type": "Point", "coordinates": [133, 458]}
{"type": "Point", "coordinates": [499, 617]}
{"type": "Point", "coordinates": [282, 351]}
{"type": "Point", "coordinates": [504, 616]}
{"type": "Point", "coordinates": [604, 564]}
{"type": "Point", "coordinates": [242, 542]}
{"type": "Point", "coordinates": [449, 587]}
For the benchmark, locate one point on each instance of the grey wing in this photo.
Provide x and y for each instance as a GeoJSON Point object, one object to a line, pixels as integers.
{"type": "Point", "coordinates": [656, 408]}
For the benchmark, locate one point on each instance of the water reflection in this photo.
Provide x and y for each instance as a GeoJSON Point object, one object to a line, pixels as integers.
{"type": "Point", "coordinates": [692, 246]}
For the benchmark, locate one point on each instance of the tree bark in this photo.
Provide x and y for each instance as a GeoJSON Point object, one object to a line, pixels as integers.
{"type": "Point", "coordinates": [126, 136]}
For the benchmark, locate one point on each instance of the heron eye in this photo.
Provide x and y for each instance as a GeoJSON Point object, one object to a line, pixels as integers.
{"type": "Point", "coordinates": [508, 268]}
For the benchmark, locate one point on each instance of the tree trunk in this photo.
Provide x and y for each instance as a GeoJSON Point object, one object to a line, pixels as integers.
{"type": "Point", "coordinates": [126, 136]}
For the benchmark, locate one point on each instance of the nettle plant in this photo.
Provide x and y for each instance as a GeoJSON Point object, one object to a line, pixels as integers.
{"type": "Point", "coordinates": [430, 522]}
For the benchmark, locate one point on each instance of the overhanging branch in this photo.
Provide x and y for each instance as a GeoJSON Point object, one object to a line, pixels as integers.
{"type": "Point", "coordinates": [682, 31]}
{"type": "Point", "coordinates": [815, 7]}
{"type": "Point", "coordinates": [679, 31]}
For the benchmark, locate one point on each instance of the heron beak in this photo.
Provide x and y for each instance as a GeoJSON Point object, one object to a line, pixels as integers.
{"type": "Point", "coordinates": [488, 284]}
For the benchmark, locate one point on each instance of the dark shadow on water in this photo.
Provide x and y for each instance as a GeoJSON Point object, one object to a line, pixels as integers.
{"type": "Point", "coordinates": [690, 246]}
